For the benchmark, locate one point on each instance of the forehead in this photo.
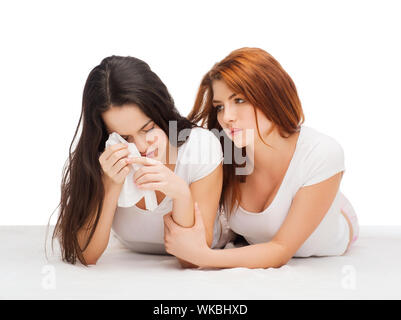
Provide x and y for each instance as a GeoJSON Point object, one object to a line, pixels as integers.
{"type": "Point", "coordinates": [124, 119]}
{"type": "Point", "coordinates": [220, 89]}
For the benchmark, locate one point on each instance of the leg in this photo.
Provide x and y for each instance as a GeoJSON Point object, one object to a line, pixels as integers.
{"type": "Point", "coordinates": [351, 229]}
{"type": "Point", "coordinates": [349, 213]}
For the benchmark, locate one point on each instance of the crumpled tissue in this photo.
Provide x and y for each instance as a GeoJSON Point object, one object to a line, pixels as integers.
{"type": "Point", "coordinates": [130, 194]}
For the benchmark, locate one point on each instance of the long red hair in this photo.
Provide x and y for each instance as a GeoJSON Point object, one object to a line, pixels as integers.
{"type": "Point", "coordinates": [255, 74]}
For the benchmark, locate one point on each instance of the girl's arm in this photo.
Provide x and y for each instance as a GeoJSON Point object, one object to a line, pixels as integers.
{"type": "Point", "coordinates": [308, 208]}
{"type": "Point", "coordinates": [115, 169]}
{"type": "Point", "coordinates": [183, 210]}
{"type": "Point", "coordinates": [101, 236]}
{"type": "Point", "coordinates": [154, 175]}
{"type": "Point", "coordinates": [206, 192]}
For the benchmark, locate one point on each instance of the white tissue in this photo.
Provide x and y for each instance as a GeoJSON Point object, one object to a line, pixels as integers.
{"type": "Point", "coordinates": [130, 194]}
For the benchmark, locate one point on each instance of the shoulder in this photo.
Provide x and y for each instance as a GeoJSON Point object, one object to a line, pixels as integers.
{"type": "Point", "coordinates": [319, 145]}
{"type": "Point", "coordinates": [200, 154]}
{"type": "Point", "coordinates": [201, 141]}
{"type": "Point", "coordinates": [321, 156]}
{"type": "Point", "coordinates": [202, 134]}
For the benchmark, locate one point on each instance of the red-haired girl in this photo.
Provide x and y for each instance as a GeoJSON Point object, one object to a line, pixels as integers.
{"type": "Point", "coordinates": [289, 203]}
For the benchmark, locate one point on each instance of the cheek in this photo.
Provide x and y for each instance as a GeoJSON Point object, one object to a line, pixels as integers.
{"type": "Point", "coordinates": [156, 137]}
{"type": "Point", "coordinates": [247, 116]}
{"type": "Point", "coordinates": [264, 123]}
{"type": "Point", "coordinates": [220, 119]}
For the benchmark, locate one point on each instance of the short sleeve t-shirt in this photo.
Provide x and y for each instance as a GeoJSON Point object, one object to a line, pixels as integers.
{"type": "Point", "coordinates": [143, 230]}
{"type": "Point", "coordinates": [316, 158]}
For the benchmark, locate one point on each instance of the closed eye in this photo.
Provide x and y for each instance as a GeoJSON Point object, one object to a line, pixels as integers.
{"type": "Point", "coordinates": [149, 129]}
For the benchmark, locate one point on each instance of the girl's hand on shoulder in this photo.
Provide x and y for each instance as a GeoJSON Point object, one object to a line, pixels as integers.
{"type": "Point", "coordinates": [154, 175]}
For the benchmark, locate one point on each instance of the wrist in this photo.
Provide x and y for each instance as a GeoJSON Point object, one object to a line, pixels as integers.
{"type": "Point", "coordinates": [111, 187]}
{"type": "Point", "coordinates": [205, 257]}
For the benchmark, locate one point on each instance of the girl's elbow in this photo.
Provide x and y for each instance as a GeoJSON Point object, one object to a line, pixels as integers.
{"type": "Point", "coordinates": [281, 257]}
{"type": "Point", "coordinates": [281, 263]}
{"type": "Point", "coordinates": [186, 265]}
{"type": "Point", "coordinates": [90, 261]}
{"type": "Point", "coordinates": [284, 258]}
{"type": "Point", "coordinates": [275, 264]}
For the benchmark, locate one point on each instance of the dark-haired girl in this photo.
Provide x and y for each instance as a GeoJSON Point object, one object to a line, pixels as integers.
{"type": "Point", "coordinates": [181, 163]}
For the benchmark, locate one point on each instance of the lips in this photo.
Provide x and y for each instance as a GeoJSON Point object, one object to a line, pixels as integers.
{"type": "Point", "coordinates": [234, 131]}
{"type": "Point", "coordinates": [151, 154]}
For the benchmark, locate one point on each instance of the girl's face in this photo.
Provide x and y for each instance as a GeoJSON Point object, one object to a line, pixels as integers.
{"type": "Point", "coordinates": [236, 115]}
{"type": "Point", "coordinates": [135, 127]}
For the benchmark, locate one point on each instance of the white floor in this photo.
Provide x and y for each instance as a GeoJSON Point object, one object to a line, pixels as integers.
{"type": "Point", "coordinates": [371, 270]}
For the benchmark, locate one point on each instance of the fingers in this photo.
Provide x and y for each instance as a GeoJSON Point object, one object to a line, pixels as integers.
{"type": "Point", "coordinates": [119, 166]}
{"type": "Point", "coordinates": [117, 155]}
{"type": "Point", "coordinates": [114, 163]}
{"type": "Point", "coordinates": [152, 185]}
{"type": "Point", "coordinates": [108, 163]}
{"type": "Point", "coordinates": [144, 170]}
{"type": "Point", "coordinates": [198, 215]}
{"type": "Point", "coordinates": [168, 221]}
{"type": "Point", "coordinates": [111, 149]}
{"type": "Point", "coordinates": [149, 177]}
{"type": "Point", "coordinates": [122, 174]}
{"type": "Point", "coordinates": [167, 239]}
{"type": "Point", "coordinates": [145, 161]}
{"type": "Point", "coordinates": [166, 230]}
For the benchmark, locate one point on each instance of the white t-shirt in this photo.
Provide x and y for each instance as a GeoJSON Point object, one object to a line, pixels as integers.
{"type": "Point", "coordinates": [316, 158]}
{"type": "Point", "coordinates": [143, 230]}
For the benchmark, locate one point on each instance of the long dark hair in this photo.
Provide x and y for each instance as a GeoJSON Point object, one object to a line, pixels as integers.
{"type": "Point", "coordinates": [114, 82]}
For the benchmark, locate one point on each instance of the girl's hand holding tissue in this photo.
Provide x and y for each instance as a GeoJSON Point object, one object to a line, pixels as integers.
{"type": "Point", "coordinates": [113, 162]}
{"type": "Point", "coordinates": [154, 175]}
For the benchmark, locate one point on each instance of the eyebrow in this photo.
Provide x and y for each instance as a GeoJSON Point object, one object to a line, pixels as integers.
{"type": "Point", "coordinates": [230, 97]}
{"type": "Point", "coordinates": [145, 124]}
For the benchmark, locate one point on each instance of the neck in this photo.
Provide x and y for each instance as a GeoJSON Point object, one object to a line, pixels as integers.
{"type": "Point", "coordinates": [270, 159]}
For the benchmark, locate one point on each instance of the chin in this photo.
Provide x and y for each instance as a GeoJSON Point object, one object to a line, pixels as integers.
{"type": "Point", "coordinates": [161, 156]}
{"type": "Point", "coordinates": [239, 144]}
{"type": "Point", "coordinates": [240, 141]}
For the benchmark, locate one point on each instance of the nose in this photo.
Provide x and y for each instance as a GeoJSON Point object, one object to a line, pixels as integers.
{"type": "Point", "coordinates": [141, 145]}
{"type": "Point", "coordinates": [228, 114]}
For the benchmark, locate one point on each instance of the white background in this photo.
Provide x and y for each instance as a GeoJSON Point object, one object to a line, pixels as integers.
{"type": "Point", "coordinates": [344, 57]}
